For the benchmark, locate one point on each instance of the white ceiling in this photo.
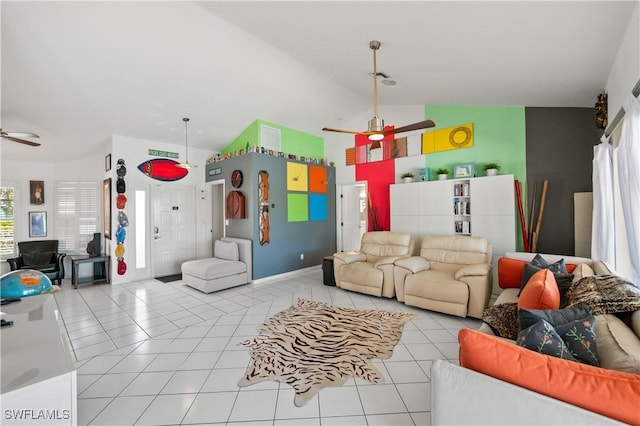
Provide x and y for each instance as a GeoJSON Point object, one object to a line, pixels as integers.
{"type": "Point", "coordinates": [78, 72]}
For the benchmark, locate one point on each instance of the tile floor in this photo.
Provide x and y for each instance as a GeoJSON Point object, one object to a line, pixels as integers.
{"type": "Point", "coordinates": [150, 353]}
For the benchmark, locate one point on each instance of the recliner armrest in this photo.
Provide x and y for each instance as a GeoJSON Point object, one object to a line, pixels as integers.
{"type": "Point", "coordinates": [414, 264]}
{"type": "Point", "coordinates": [351, 257]}
{"type": "Point", "coordinates": [388, 260]}
{"type": "Point", "coordinates": [480, 269]}
{"type": "Point", "coordinates": [15, 263]}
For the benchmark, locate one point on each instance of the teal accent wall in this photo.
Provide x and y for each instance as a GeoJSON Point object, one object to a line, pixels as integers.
{"type": "Point", "coordinates": [499, 134]}
{"type": "Point", "coordinates": [291, 141]}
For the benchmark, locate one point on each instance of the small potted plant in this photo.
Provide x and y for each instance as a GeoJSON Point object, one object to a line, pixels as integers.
{"type": "Point", "coordinates": [407, 177]}
{"type": "Point", "coordinates": [491, 169]}
{"type": "Point", "coordinates": [442, 173]}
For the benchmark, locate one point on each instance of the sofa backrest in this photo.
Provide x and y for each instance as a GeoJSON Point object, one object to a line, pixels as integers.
{"type": "Point", "coordinates": [511, 266]}
{"type": "Point", "coordinates": [379, 244]}
{"type": "Point", "coordinates": [244, 253]}
{"type": "Point", "coordinates": [451, 252]}
{"type": "Point", "coordinates": [38, 246]}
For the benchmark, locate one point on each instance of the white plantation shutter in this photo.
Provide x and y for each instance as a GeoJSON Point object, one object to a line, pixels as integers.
{"type": "Point", "coordinates": [77, 215]}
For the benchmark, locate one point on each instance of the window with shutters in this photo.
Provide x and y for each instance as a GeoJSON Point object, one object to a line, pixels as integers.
{"type": "Point", "coordinates": [7, 224]}
{"type": "Point", "coordinates": [77, 215]}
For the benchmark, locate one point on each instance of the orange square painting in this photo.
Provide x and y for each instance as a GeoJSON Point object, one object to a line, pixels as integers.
{"type": "Point", "coordinates": [317, 179]}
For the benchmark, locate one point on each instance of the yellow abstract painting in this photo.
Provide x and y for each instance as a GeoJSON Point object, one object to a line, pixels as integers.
{"type": "Point", "coordinates": [297, 177]}
{"type": "Point", "coordinates": [456, 137]}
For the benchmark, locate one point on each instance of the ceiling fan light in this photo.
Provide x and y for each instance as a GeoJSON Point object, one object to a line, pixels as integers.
{"type": "Point", "coordinates": [376, 124]}
{"type": "Point", "coordinates": [376, 137]}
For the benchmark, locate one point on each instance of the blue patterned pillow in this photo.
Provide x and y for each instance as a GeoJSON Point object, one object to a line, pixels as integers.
{"type": "Point", "coordinates": [543, 338]}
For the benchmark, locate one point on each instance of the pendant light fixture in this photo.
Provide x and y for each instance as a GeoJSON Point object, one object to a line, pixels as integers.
{"type": "Point", "coordinates": [186, 164]}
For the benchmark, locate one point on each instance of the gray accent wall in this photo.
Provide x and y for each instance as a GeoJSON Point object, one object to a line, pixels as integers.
{"type": "Point", "coordinates": [314, 239]}
{"type": "Point", "coordinates": [560, 145]}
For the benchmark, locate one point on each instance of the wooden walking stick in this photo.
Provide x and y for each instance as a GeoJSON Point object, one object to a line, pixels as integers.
{"type": "Point", "coordinates": [532, 208]}
{"type": "Point", "coordinates": [543, 198]}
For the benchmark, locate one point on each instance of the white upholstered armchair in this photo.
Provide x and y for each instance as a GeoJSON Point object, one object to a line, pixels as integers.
{"type": "Point", "coordinates": [452, 275]}
{"type": "Point", "coordinates": [370, 270]}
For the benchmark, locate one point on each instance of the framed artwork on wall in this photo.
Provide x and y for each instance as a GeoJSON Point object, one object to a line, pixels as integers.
{"type": "Point", "coordinates": [107, 162]}
{"type": "Point", "coordinates": [37, 224]}
{"type": "Point", "coordinates": [36, 191]}
{"type": "Point", "coordinates": [106, 207]}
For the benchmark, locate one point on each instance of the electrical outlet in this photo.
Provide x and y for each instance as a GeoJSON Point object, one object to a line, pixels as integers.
{"type": "Point", "coordinates": [301, 256]}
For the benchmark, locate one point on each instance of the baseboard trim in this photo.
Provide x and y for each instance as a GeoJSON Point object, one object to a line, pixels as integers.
{"type": "Point", "coordinates": [286, 274]}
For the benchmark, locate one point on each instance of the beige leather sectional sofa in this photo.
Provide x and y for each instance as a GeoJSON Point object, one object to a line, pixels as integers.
{"type": "Point", "coordinates": [452, 273]}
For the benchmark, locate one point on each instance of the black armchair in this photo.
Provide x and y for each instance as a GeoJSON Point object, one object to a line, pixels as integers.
{"type": "Point", "coordinates": [42, 256]}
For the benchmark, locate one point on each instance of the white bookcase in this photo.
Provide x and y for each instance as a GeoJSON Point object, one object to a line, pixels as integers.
{"type": "Point", "coordinates": [482, 206]}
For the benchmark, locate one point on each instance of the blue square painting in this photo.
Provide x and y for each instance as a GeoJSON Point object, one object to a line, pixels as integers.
{"type": "Point", "coordinates": [317, 207]}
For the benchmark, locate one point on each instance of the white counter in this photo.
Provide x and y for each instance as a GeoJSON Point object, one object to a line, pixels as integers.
{"type": "Point", "coordinates": [38, 377]}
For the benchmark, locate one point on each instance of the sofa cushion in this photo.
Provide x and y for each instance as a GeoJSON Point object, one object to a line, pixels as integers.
{"type": "Point", "coordinates": [541, 292]}
{"type": "Point", "coordinates": [226, 250]}
{"type": "Point", "coordinates": [38, 258]}
{"type": "Point", "coordinates": [555, 317]}
{"type": "Point", "coordinates": [503, 320]}
{"type": "Point", "coordinates": [580, 338]}
{"type": "Point", "coordinates": [510, 271]}
{"type": "Point", "coordinates": [541, 337]}
{"type": "Point", "coordinates": [581, 271]}
{"type": "Point", "coordinates": [611, 393]}
{"type": "Point", "coordinates": [604, 294]}
{"type": "Point", "coordinates": [618, 345]}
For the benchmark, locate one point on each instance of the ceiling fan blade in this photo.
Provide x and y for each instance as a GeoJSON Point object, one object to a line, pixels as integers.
{"type": "Point", "coordinates": [415, 126]}
{"type": "Point", "coordinates": [22, 141]}
{"type": "Point", "coordinates": [353, 132]}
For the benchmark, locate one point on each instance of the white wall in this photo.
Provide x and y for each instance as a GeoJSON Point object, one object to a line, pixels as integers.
{"type": "Point", "coordinates": [625, 71]}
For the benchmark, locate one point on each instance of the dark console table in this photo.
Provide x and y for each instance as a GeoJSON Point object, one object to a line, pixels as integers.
{"type": "Point", "coordinates": [101, 269]}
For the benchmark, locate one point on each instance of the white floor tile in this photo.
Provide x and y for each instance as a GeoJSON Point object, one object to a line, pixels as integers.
{"type": "Point", "coordinates": [209, 344]}
{"type": "Point", "coordinates": [166, 410]}
{"type": "Point", "coordinates": [223, 380]}
{"type": "Point", "coordinates": [297, 422]}
{"type": "Point", "coordinates": [424, 351]}
{"type": "Point", "coordinates": [185, 382]}
{"type": "Point", "coordinates": [402, 419]}
{"type": "Point", "coordinates": [256, 405]}
{"type": "Point", "coordinates": [148, 383]}
{"type": "Point", "coordinates": [211, 408]}
{"type": "Point", "coordinates": [416, 396]}
{"type": "Point", "coordinates": [381, 399]}
{"type": "Point", "coordinates": [182, 345]}
{"type": "Point", "coordinates": [233, 359]}
{"type": "Point", "coordinates": [344, 421]}
{"type": "Point", "coordinates": [200, 361]}
{"type": "Point", "coordinates": [286, 409]}
{"type": "Point", "coordinates": [123, 410]}
{"type": "Point", "coordinates": [340, 401]}
{"type": "Point", "coordinates": [421, 418]}
{"type": "Point", "coordinates": [100, 364]}
{"type": "Point", "coordinates": [85, 380]}
{"type": "Point", "coordinates": [405, 372]}
{"type": "Point", "coordinates": [109, 385]}
{"type": "Point", "coordinates": [89, 408]}
{"type": "Point", "coordinates": [167, 362]}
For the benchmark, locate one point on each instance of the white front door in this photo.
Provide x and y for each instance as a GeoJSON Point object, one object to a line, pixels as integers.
{"type": "Point", "coordinates": [173, 236]}
{"type": "Point", "coordinates": [353, 216]}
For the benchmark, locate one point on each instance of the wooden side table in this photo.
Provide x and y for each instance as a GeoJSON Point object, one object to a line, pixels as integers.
{"type": "Point", "coordinates": [101, 270]}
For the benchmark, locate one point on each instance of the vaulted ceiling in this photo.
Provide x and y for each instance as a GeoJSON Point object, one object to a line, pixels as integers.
{"type": "Point", "coordinates": [78, 72]}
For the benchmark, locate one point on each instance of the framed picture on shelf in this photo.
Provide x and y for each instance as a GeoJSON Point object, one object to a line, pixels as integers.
{"type": "Point", "coordinates": [37, 224]}
{"type": "Point", "coordinates": [464, 170]}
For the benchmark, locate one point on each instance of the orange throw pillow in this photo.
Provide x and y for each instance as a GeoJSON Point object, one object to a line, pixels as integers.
{"type": "Point", "coordinates": [613, 394]}
{"type": "Point", "coordinates": [541, 292]}
{"type": "Point", "coordinates": [510, 272]}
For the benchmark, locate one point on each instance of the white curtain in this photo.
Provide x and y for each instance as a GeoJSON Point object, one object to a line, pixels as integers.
{"type": "Point", "coordinates": [629, 178]}
{"type": "Point", "coordinates": [603, 244]}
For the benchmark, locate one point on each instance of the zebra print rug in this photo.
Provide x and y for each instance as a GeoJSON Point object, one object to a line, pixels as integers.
{"type": "Point", "coordinates": [312, 345]}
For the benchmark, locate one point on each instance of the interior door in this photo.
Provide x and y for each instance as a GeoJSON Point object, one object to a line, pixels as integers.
{"type": "Point", "coordinates": [173, 237]}
{"type": "Point", "coordinates": [353, 216]}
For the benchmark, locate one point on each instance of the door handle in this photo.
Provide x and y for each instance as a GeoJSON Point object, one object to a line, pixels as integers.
{"type": "Point", "coordinates": [155, 230]}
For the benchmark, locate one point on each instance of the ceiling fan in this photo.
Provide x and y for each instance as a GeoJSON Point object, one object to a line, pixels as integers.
{"type": "Point", "coordinates": [19, 137]}
{"type": "Point", "coordinates": [376, 131]}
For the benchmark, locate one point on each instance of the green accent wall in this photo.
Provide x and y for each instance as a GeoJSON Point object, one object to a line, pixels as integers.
{"type": "Point", "coordinates": [291, 141]}
{"type": "Point", "coordinates": [250, 135]}
{"type": "Point", "coordinates": [499, 135]}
